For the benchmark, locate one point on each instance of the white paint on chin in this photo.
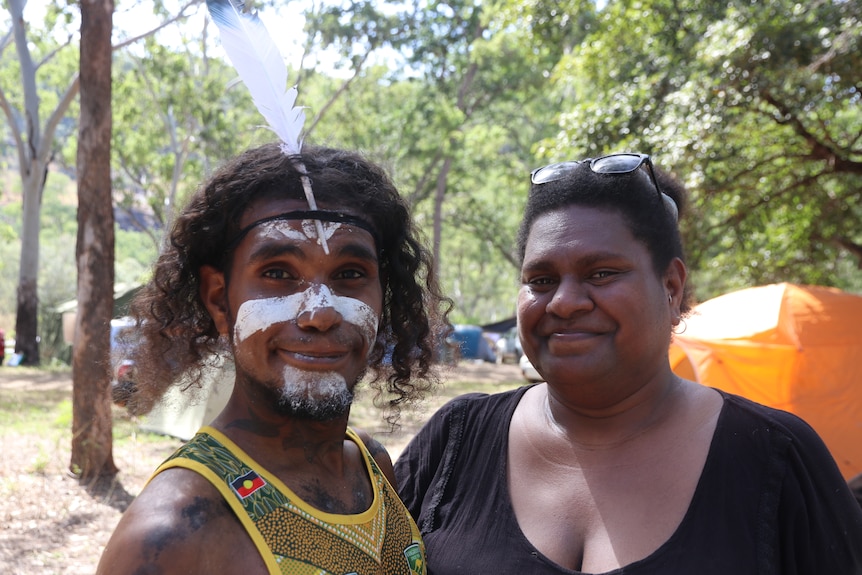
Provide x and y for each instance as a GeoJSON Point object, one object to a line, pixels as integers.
{"type": "Point", "coordinates": [259, 314]}
{"type": "Point", "coordinates": [321, 395]}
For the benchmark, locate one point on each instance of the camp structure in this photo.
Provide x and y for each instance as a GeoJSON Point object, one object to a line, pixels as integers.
{"type": "Point", "coordinates": [792, 347]}
{"type": "Point", "coordinates": [185, 408]}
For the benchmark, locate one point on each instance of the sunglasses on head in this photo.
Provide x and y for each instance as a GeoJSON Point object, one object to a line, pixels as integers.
{"type": "Point", "coordinates": [624, 163]}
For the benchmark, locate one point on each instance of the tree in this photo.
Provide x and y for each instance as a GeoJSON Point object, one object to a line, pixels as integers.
{"type": "Point", "coordinates": [755, 105]}
{"type": "Point", "coordinates": [34, 144]}
{"type": "Point", "coordinates": [175, 119]}
{"type": "Point", "coordinates": [92, 441]}
{"type": "Point", "coordinates": [460, 141]}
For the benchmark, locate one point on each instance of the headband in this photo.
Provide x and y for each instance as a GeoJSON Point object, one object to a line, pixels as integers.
{"type": "Point", "coordinates": [317, 215]}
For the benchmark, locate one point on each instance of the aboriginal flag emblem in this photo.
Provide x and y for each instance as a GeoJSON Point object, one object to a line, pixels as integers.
{"type": "Point", "coordinates": [247, 484]}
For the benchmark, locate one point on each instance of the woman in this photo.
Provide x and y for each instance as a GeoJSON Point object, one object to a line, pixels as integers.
{"type": "Point", "coordinates": [616, 465]}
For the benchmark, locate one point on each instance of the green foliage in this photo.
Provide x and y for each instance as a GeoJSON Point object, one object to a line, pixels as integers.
{"type": "Point", "coordinates": [755, 106]}
{"type": "Point", "coordinates": [174, 119]}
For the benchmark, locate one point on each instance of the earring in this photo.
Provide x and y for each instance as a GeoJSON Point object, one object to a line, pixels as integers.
{"type": "Point", "coordinates": [669, 298]}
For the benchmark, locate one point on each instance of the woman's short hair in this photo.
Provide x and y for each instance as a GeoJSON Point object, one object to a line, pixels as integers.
{"type": "Point", "coordinates": [633, 195]}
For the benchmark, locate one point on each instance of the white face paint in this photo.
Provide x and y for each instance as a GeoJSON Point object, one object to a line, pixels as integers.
{"type": "Point", "coordinates": [320, 396]}
{"type": "Point", "coordinates": [307, 232]}
{"type": "Point", "coordinates": [259, 314]}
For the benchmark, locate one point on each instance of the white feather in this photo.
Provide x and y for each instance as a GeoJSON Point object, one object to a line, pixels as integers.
{"type": "Point", "coordinates": [262, 69]}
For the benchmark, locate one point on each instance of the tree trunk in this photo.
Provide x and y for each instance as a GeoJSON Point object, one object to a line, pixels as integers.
{"type": "Point", "coordinates": [439, 198]}
{"type": "Point", "coordinates": [27, 314]}
{"type": "Point", "coordinates": [33, 181]}
{"type": "Point", "coordinates": [92, 458]}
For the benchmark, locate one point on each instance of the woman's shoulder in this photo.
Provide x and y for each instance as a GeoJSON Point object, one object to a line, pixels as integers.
{"type": "Point", "coordinates": [478, 404]}
{"type": "Point", "coordinates": [777, 435]}
{"type": "Point", "coordinates": [771, 419]}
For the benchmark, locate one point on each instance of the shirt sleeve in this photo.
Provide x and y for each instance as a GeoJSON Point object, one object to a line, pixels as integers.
{"type": "Point", "coordinates": [819, 520]}
{"type": "Point", "coordinates": [423, 468]}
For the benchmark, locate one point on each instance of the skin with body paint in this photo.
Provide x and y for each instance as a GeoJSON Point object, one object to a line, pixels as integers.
{"type": "Point", "coordinates": [304, 319]}
{"type": "Point", "coordinates": [249, 274]}
{"type": "Point", "coordinates": [318, 395]}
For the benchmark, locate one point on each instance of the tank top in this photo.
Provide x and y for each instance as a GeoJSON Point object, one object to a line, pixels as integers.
{"type": "Point", "coordinates": [291, 536]}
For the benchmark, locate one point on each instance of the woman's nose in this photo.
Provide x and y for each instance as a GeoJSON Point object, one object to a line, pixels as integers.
{"type": "Point", "coordinates": [570, 298]}
{"type": "Point", "coordinates": [318, 310]}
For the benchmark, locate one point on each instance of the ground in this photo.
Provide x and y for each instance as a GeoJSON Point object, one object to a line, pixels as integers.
{"type": "Point", "coordinates": [52, 525]}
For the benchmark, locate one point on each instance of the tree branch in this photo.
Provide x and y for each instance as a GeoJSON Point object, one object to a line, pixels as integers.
{"type": "Point", "coordinates": [341, 89]}
{"type": "Point", "coordinates": [55, 117]}
{"type": "Point", "coordinates": [819, 150]}
{"type": "Point", "coordinates": [16, 130]}
{"type": "Point", "coordinates": [180, 15]}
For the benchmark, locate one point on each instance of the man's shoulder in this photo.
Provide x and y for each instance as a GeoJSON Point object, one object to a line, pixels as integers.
{"type": "Point", "coordinates": [179, 501]}
{"type": "Point", "coordinates": [178, 514]}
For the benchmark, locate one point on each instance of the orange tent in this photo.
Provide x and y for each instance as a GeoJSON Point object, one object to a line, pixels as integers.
{"type": "Point", "coordinates": [797, 348]}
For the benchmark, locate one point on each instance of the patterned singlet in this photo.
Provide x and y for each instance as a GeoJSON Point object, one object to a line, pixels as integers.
{"type": "Point", "coordinates": [295, 538]}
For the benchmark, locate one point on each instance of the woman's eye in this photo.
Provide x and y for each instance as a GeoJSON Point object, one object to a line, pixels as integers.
{"type": "Point", "coordinates": [602, 275]}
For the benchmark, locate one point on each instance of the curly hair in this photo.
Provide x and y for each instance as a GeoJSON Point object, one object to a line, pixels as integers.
{"type": "Point", "coordinates": [632, 194]}
{"type": "Point", "coordinates": [178, 336]}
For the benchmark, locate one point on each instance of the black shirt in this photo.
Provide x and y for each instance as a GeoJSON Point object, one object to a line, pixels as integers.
{"type": "Point", "coordinates": [770, 499]}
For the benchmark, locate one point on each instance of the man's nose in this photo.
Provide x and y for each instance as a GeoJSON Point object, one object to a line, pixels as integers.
{"type": "Point", "coordinates": [318, 310]}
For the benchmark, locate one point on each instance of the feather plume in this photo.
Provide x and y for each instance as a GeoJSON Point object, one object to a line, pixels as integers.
{"type": "Point", "coordinates": [261, 67]}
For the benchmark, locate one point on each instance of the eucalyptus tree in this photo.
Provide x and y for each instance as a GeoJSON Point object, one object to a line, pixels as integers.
{"type": "Point", "coordinates": [176, 115]}
{"type": "Point", "coordinates": [456, 119]}
{"type": "Point", "coordinates": [39, 52]}
{"type": "Point", "coordinates": [45, 84]}
{"type": "Point", "coordinates": [92, 441]}
{"type": "Point", "coordinates": [754, 105]}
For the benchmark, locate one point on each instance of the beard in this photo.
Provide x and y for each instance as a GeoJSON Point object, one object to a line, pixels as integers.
{"type": "Point", "coordinates": [314, 396]}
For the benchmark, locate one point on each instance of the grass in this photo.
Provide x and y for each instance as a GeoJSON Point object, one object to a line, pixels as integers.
{"type": "Point", "coordinates": [47, 413]}
{"type": "Point", "coordinates": [26, 411]}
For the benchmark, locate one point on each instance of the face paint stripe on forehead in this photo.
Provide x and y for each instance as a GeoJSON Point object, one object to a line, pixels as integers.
{"type": "Point", "coordinates": [259, 314]}
{"type": "Point", "coordinates": [308, 230]}
{"type": "Point", "coordinates": [314, 215]}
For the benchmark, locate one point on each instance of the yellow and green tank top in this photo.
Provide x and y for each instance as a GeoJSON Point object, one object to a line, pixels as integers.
{"type": "Point", "coordinates": [293, 537]}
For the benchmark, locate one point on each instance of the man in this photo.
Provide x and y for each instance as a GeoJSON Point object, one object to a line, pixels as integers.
{"type": "Point", "coordinates": [278, 483]}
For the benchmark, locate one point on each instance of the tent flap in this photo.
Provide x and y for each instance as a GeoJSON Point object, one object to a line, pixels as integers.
{"type": "Point", "coordinates": [788, 346]}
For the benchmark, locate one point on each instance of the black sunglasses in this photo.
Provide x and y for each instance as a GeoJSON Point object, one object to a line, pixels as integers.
{"type": "Point", "coordinates": [624, 163]}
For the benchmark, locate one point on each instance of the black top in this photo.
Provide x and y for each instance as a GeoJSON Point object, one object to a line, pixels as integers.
{"type": "Point", "coordinates": [770, 499]}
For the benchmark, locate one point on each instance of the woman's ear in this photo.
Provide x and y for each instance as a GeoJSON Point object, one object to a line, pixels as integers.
{"type": "Point", "coordinates": [213, 292]}
{"type": "Point", "coordinates": [674, 284]}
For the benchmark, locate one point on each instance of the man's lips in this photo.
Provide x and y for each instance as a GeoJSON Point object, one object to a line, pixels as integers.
{"type": "Point", "coordinates": [314, 358]}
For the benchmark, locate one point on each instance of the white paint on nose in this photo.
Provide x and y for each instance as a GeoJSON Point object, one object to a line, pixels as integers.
{"type": "Point", "coordinates": [260, 314]}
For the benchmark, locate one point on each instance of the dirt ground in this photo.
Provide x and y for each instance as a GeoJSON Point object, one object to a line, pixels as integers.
{"type": "Point", "coordinates": [52, 525]}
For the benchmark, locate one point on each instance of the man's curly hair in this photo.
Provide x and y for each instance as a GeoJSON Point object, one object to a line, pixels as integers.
{"type": "Point", "coordinates": [176, 336]}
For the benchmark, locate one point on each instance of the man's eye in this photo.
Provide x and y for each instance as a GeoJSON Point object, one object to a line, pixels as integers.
{"type": "Point", "coordinates": [603, 274]}
{"type": "Point", "coordinates": [277, 274]}
{"type": "Point", "coordinates": [350, 274]}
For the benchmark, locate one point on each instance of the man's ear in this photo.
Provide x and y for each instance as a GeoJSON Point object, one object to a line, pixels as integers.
{"type": "Point", "coordinates": [213, 292]}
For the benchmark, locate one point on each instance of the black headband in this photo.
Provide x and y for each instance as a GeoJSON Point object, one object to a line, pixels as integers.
{"type": "Point", "coordinates": [322, 215]}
